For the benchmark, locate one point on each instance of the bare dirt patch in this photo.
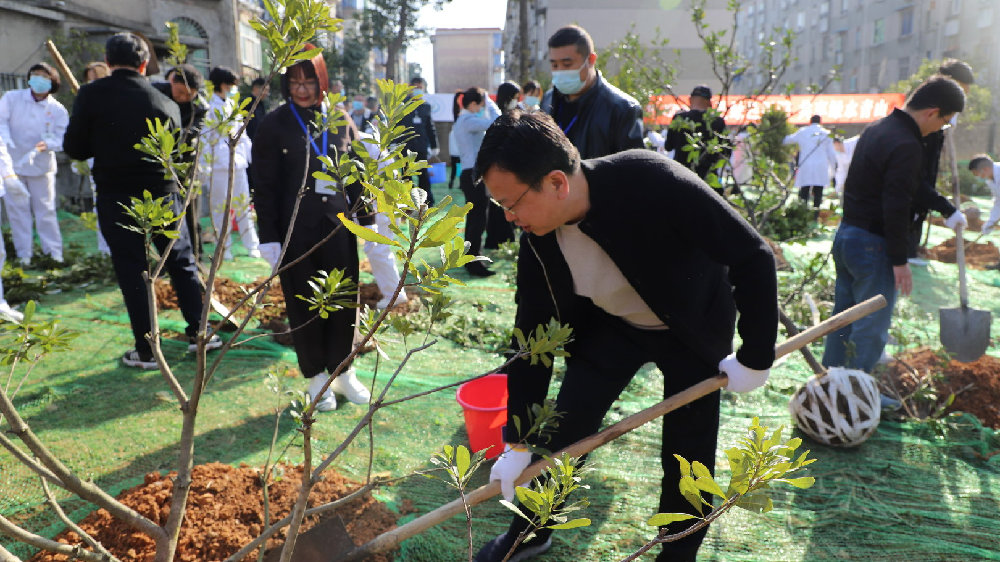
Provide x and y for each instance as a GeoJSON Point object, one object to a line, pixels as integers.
{"type": "Point", "coordinates": [225, 512]}
{"type": "Point", "coordinates": [977, 256]}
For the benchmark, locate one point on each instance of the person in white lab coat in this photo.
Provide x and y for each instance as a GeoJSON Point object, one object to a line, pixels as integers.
{"type": "Point", "coordinates": [10, 186]}
{"type": "Point", "coordinates": [32, 124]}
{"type": "Point", "coordinates": [816, 159]}
{"type": "Point", "coordinates": [983, 167]}
{"type": "Point", "coordinates": [217, 160]}
{"type": "Point", "coordinates": [844, 151]}
{"type": "Point", "coordinates": [381, 257]}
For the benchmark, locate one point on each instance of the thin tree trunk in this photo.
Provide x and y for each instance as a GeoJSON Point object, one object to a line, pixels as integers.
{"type": "Point", "coordinates": [524, 45]}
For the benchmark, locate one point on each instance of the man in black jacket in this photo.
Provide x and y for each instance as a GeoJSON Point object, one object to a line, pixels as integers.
{"type": "Point", "coordinates": [869, 249]}
{"type": "Point", "coordinates": [580, 264]}
{"type": "Point", "coordinates": [598, 118]}
{"type": "Point", "coordinates": [926, 197]}
{"type": "Point", "coordinates": [694, 122]}
{"type": "Point", "coordinates": [109, 118]}
{"type": "Point", "coordinates": [424, 142]}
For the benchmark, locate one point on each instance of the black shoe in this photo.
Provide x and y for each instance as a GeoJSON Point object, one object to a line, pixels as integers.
{"type": "Point", "coordinates": [477, 269]}
{"type": "Point", "coordinates": [133, 358]}
{"type": "Point", "coordinates": [496, 549]}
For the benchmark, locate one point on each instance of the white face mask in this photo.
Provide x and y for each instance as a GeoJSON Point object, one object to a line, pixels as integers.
{"type": "Point", "coordinates": [568, 81]}
{"type": "Point", "coordinates": [512, 104]}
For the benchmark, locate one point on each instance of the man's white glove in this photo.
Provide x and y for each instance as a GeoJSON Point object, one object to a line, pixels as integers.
{"type": "Point", "coordinates": [742, 378]}
{"type": "Point", "coordinates": [434, 152]}
{"type": "Point", "coordinates": [270, 251]}
{"type": "Point", "coordinates": [16, 190]}
{"type": "Point", "coordinates": [957, 220]}
{"type": "Point", "coordinates": [509, 466]}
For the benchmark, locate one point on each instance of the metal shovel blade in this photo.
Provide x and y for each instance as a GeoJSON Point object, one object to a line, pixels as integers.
{"type": "Point", "coordinates": [324, 542]}
{"type": "Point", "coordinates": [965, 332]}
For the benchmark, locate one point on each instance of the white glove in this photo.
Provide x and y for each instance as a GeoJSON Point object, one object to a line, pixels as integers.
{"type": "Point", "coordinates": [957, 220]}
{"type": "Point", "coordinates": [742, 378]}
{"type": "Point", "coordinates": [434, 152]}
{"type": "Point", "coordinates": [509, 466]}
{"type": "Point", "coordinates": [270, 251]}
{"type": "Point", "coordinates": [16, 189]}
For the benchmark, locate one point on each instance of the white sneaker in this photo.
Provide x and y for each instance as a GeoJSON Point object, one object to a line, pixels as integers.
{"type": "Point", "coordinates": [8, 313]}
{"type": "Point", "coordinates": [255, 253]}
{"type": "Point", "coordinates": [328, 402]}
{"type": "Point", "coordinates": [213, 343]}
{"type": "Point", "coordinates": [917, 261]}
{"type": "Point", "coordinates": [384, 303]}
{"type": "Point", "coordinates": [349, 385]}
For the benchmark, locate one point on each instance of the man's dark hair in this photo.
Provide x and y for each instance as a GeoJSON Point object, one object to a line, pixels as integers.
{"type": "Point", "coordinates": [957, 70]}
{"type": "Point", "coordinates": [471, 96]}
{"type": "Point", "coordinates": [528, 145]}
{"type": "Point", "coordinates": [126, 49]}
{"type": "Point", "coordinates": [418, 80]}
{"type": "Point", "coordinates": [815, 119]}
{"type": "Point", "coordinates": [47, 68]}
{"type": "Point", "coordinates": [258, 82]}
{"type": "Point", "coordinates": [186, 74]}
{"type": "Point", "coordinates": [532, 86]}
{"type": "Point", "coordinates": [506, 92]}
{"type": "Point", "coordinates": [222, 75]}
{"type": "Point", "coordinates": [980, 161]}
{"type": "Point", "coordinates": [938, 91]}
{"type": "Point", "coordinates": [573, 35]}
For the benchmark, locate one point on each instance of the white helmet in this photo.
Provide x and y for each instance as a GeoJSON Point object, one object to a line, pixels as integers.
{"type": "Point", "coordinates": [840, 408]}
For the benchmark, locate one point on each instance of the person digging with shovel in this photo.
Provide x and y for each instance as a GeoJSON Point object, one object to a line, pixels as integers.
{"type": "Point", "coordinates": [870, 247]}
{"type": "Point", "coordinates": [581, 264]}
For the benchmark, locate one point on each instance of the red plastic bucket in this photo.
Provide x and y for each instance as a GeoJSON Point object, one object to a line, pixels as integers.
{"type": "Point", "coordinates": [484, 403]}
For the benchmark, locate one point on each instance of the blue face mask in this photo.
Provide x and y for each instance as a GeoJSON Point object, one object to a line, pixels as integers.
{"type": "Point", "coordinates": [568, 81]}
{"type": "Point", "coordinates": [417, 92]}
{"type": "Point", "coordinates": [233, 92]}
{"type": "Point", "coordinates": [39, 84]}
{"type": "Point", "coordinates": [357, 105]}
{"type": "Point", "coordinates": [531, 101]}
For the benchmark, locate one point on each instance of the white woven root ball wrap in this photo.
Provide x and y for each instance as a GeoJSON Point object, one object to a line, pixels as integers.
{"type": "Point", "coordinates": [840, 408]}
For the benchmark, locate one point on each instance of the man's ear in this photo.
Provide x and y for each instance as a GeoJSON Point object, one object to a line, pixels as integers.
{"type": "Point", "coordinates": [592, 59]}
{"type": "Point", "coordinates": [142, 68]}
{"type": "Point", "coordinates": [560, 182]}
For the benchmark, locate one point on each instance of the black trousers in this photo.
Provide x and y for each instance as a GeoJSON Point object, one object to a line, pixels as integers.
{"type": "Point", "coordinates": [475, 221]}
{"type": "Point", "coordinates": [424, 180]}
{"type": "Point", "coordinates": [604, 357]}
{"type": "Point", "coordinates": [455, 161]}
{"type": "Point", "coordinates": [128, 257]}
{"type": "Point", "coordinates": [322, 343]}
{"type": "Point", "coordinates": [817, 194]}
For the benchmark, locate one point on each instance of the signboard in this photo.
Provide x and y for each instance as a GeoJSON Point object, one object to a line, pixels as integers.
{"type": "Point", "coordinates": [740, 110]}
{"type": "Point", "coordinates": [440, 106]}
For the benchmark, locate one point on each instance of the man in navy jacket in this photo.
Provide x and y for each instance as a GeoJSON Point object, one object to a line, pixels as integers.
{"type": "Point", "coordinates": [585, 266]}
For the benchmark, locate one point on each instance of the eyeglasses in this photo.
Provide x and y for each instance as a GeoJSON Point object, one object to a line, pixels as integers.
{"type": "Point", "coordinates": [308, 85]}
{"type": "Point", "coordinates": [514, 204]}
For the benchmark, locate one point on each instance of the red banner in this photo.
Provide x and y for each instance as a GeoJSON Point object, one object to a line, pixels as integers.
{"type": "Point", "coordinates": [741, 110]}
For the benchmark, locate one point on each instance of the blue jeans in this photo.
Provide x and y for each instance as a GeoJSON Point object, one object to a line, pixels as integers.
{"type": "Point", "coordinates": [863, 271]}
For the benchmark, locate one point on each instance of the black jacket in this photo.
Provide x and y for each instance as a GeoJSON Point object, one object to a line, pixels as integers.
{"type": "Point", "coordinates": [677, 139]}
{"type": "Point", "coordinates": [926, 196]}
{"type": "Point", "coordinates": [279, 157]}
{"type": "Point", "coordinates": [192, 113]}
{"type": "Point", "coordinates": [256, 117]}
{"type": "Point", "coordinates": [688, 254]}
{"type": "Point", "coordinates": [422, 123]}
{"type": "Point", "coordinates": [108, 120]}
{"type": "Point", "coordinates": [607, 120]}
{"type": "Point", "coordinates": [884, 174]}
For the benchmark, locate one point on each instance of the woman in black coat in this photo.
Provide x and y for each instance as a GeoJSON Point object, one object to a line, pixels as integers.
{"type": "Point", "coordinates": [280, 150]}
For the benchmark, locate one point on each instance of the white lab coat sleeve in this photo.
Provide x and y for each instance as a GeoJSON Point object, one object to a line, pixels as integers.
{"type": "Point", "coordinates": [60, 120]}
{"type": "Point", "coordinates": [6, 165]}
{"type": "Point", "coordinates": [5, 108]}
{"type": "Point", "coordinates": [792, 138]}
{"type": "Point", "coordinates": [995, 190]}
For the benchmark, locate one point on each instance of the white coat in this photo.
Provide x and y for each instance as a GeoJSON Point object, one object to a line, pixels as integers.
{"type": "Point", "coordinates": [24, 122]}
{"type": "Point", "coordinates": [816, 155]}
{"type": "Point", "coordinates": [215, 165]}
{"type": "Point", "coordinates": [995, 190]}
{"type": "Point", "coordinates": [844, 162]}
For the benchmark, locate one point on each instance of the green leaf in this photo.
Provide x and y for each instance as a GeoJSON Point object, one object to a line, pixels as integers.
{"type": "Point", "coordinates": [462, 460]}
{"type": "Point", "coordinates": [365, 233]}
{"type": "Point", "coordinates": [662, 519]}
{"type": "Point", "coordinates": [581, 522]}
{"type": "Point", "coordinates": [700, 470]}
{"type": "Point", "coordinates": [709, 485]}
{"type": "Point", "coordinates": [803, 482]}
{"type": "Point", "coordinates": [685, 465]}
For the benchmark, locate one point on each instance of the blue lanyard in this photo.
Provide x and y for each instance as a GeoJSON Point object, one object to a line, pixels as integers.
{"type": "Point", "coordinates": [570, 126]}
{"type": "Point", "coordinates": [305, 129]}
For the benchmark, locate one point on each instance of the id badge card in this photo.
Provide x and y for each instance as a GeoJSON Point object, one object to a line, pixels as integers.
{"type": "Point", "coordinates": [417, 120]}
{"type": "Point", "coordinates": [325, 187]}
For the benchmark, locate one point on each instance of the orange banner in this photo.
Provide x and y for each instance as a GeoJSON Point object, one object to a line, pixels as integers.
{"type": "Point", "coordinates": [740, 110]}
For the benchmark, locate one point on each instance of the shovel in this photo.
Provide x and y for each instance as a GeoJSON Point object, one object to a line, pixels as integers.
{"type": "Point", "coordinates": [391, 539]}
{"type": "Point", "coordinates": [965, 332]}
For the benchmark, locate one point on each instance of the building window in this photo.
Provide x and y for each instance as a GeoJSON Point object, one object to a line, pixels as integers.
{"type": "Point", "coordinates": [878, 32]}
{"type": "Point", "coordinates": [951, 28]}
{"type": "Point", "coordinates": [800, 20]}
{"type": "Point", "coordinates": [904, 68]}
{"type": "Point", "coordinates": [906, 22]}
{"type": "Point", "coordinates": [873, 75]}
{"type": "Point", "coordinates": [195, 37]}
{"type": "Point", "coordinates": [956, 8]}
{"type": "Point", "coordinates": [854, 80]}
{"type": "Point", "coordinates": [985, 18]}
{"type": "Point", "coordinates": [250, 52]}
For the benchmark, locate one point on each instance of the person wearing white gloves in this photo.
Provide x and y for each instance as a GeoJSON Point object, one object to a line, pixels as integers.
{"type": "Point", "coordinates": [9, 184]}
{"type": "Point", "coordinates": [581, 264]}
{"type": "Point", "coordinates": [424, 140]}
{"type": "Point", "coordinates": [216, 159]}
{"type": "Point", "coordinates": [844, 151]}
{"type": "Point", "coordinates": [983, 167]}
{"type": "Point", "coordinates": [33, 123]}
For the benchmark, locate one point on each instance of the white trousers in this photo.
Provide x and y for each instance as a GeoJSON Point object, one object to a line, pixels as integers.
{"type": "Point", "coordinates": [383, 262]}
{"type": "Point", "coordinates": [42, 204]}
{"type": "Point", "coordinates": [102, 244]}
{"type": "Point", "coordinates": [3, 253]}
{"type": "Point", "coordinates": [240, 205]}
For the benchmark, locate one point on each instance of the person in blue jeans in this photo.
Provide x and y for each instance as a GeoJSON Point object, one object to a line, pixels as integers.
{"type": "Point", "coordinates": [869, 249]}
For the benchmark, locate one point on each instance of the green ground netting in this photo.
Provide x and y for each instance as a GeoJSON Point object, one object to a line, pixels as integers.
{"type": "Point", "coordinates": [909, 493]}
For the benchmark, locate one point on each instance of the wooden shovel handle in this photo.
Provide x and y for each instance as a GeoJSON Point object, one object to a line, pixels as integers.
{"type": "Point", "coordinates": [391, 539]}
{"type": "Point", "coordinates": [63, 67]}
